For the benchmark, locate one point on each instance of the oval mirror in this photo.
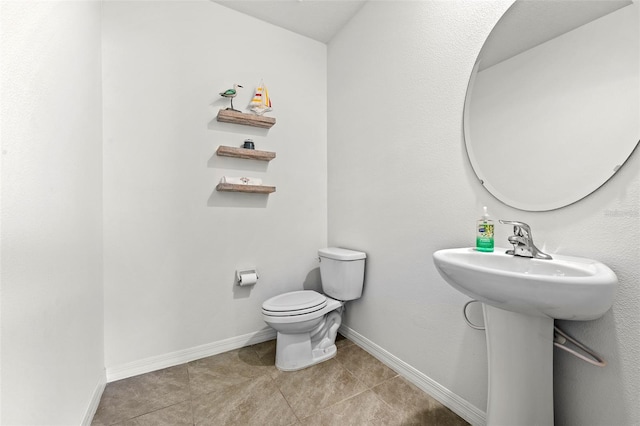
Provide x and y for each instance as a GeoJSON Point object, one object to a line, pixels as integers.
{"type": "Point", "coordinates": [552, 108]}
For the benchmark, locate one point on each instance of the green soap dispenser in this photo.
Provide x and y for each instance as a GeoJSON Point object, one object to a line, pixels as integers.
{"type": "Point", "coordinates": [484, 233]}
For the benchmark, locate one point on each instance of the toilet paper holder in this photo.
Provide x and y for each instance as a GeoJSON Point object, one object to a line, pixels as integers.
{"type": "Point", "coordinates": [247, 276]}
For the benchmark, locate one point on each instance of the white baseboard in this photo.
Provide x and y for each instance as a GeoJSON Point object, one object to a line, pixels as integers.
{"type": "Point", "coordinates": [186, 355]}
{"type": "Point", "coordinates": [95, 401]}
{"type": "Point", "coordinates": [460, 406]}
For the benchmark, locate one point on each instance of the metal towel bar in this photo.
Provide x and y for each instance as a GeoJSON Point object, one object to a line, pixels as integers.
{"type": "Point", "coordinates": [560, 338]}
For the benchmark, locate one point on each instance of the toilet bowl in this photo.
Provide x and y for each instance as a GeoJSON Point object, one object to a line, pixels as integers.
{"type": "Point", "coordinates": [306, 334]}
{"type": "Point", "coordinates": [306, 321]}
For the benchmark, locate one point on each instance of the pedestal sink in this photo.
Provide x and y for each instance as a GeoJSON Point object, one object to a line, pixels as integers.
{"type": "Point", "coordinates": [522, 297]}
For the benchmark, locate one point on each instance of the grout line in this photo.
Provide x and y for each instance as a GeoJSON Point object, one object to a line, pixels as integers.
{"type": "Point", "coordinates": [286, 400]}
{"type": "Point", "coordinates": [275, 382]}
{"type": "Point", "coordinates": [366, 387]}
{"type": "Point", "coordinates": [452, 401]}
{"type": "Point", "coordinates": [395, 411]}
{"type": "Point", "coordinates": [192, 405]}
{"type": "Point", "coordinates": [162, 408]}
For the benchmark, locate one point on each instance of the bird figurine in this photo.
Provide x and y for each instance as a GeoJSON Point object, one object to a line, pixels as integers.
{"type": "Point", "coordinates": [231, 93]}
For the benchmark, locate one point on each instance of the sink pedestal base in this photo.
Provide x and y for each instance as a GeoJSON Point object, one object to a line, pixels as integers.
{"type": "Point", "coordinates": [520, 355]}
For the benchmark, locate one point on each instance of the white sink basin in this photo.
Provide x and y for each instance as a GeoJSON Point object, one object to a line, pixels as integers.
{"type": "Point", "coordinates": [570, 288]}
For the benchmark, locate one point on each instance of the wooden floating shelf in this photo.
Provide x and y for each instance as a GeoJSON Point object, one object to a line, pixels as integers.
{"type": "Point", "coordinates": [236, 117]}
{"type": "Point", "coordinates": [251, 154]}
{"type": "Point", "coordinates": [255, 189]}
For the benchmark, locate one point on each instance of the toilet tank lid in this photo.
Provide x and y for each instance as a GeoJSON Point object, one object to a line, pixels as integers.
{"type": "Point", "coordinates": [338, 253]}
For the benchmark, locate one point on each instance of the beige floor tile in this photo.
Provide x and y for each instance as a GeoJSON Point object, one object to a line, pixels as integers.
{"type": "Point", "coordinates": [414, 406]}
{"type": "Point", "coordinates": [364, 409]}
{"type": "Point", "coordinates": [217, 372]}
{"type": "Point", "coordinates": [243, 387]}
{"type": "Point", "coordinates": [253, 402]}
{"type": "Point", "coordinates": [97, 422]}
{"type": "Point", "coordinates": [266, 351]}
{"type": "Point", "coordinates": [175, 415]}
{"type": "Point", "coordinates": [317, 387]}
{"type": "Point", "coordinates": [342, 341]}
{"type": "Point", "coordinates": [364, 366]}
{"type": "Point", "coordinates": [132, 397]}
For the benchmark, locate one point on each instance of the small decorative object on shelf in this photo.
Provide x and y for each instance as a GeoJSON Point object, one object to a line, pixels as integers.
{"type": "Point", "coordinates": [244, 184]}
{"type": "Point", "coordinates": [231, 93]}
{"type": "Point", "coordinates": [241, 180]}
{"type": "Point", "coordinates": [248, 144]}
{"type": "Point", "coordinates": [261, 102]}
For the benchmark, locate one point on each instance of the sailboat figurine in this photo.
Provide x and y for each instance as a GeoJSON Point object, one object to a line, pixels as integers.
{"type": "Point", "coordinates": [261, 102]}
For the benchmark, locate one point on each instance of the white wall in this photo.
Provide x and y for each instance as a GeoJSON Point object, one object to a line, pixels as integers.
{"type": "Point", "coordinates": [51, 288]}
{"type": "Point", "coordinates": [400, 187]}
{"type": "Point", "coordinates": [172, 243]}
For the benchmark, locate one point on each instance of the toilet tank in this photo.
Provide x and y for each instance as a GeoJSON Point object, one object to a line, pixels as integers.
{"type": "Point", "coordinates": [342, 272]}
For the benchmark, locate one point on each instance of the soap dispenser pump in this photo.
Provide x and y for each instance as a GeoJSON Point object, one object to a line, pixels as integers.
{"type": "Point", "coordinates": [484, 233]}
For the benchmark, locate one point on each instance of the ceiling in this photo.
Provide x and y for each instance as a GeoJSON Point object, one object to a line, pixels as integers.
{"type": "Point", "coordinates": [316, 19]}
{"type": "Point", "coordinates": [530, 23]}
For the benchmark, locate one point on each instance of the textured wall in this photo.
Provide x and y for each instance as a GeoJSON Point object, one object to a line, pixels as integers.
{"type": "Point", "coordinates": [51, 304]}
{"type": "Point", "coordinates": [172, 243]}
{"type": "Point", "coordinates": [400, 187]}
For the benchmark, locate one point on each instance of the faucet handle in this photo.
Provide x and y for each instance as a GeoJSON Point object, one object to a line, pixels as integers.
{"type": "Point", "coordinates": [518, 227]}
{"type": "Point", "coordinates": [523, 241]}
{"type": "Point", "coordinates": [514, 223]}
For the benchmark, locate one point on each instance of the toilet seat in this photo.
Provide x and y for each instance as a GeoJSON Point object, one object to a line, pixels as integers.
{"type": "Point", "coordinates": [300, 316]}
{"type": "Point", "coordinates": [294, 303]}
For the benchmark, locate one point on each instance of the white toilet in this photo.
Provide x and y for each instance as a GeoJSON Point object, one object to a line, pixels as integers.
{"type": "Point", "coordinates": [306, 321]}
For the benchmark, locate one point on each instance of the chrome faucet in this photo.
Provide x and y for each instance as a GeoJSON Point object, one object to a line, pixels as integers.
{"type": "Point", "coordinates": [522, 241]}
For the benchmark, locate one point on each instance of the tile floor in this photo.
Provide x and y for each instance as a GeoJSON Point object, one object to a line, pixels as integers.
{"type": "Point", "coordinates": [243, 387]}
